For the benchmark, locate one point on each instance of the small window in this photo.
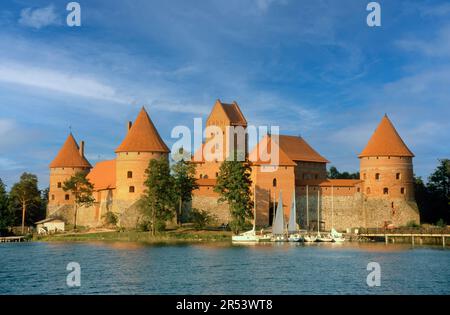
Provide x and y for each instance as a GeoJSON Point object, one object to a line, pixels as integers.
{"type": "Point", "coordinates": [397, 176]}
{"type": "Point", "coordinates": [365, 176]}
{"type": "Point", "coordinates": [274, 182]}
{"type": "Point", "coordinates": [205, 177]}
{"type": "Point", "coordinates": [131, 189]}
{"type": "Point", "coordinates": [129, 174]}
{"type": "Point", "coordinates": [201, 175]}
{"type": "Point", "coordinates": [217, 174]}
{"type": "Point", "coordinates": [59, 185]}
{"type": "Point", "coordinates": [377, 176]}
{"type": "Point", "coordinates": [402, 190]}
{"type": "Point", "coordinates": [358, 189]}
{"type": "Point", "coordinates": [385, 191]}
{"type": "Point", "coordinates": [53, 197]}
{"type": "Point", "coordinates": [67, 197]}
{"type": "Point", "coordinates": [368, 190]}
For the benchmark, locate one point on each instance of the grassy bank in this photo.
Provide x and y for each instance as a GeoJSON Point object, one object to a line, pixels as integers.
{"type": "Point", "coordinates": [172, 236]}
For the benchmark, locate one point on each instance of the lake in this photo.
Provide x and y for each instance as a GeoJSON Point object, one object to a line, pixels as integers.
{"type": "Point", "coordinates": [135, 268]}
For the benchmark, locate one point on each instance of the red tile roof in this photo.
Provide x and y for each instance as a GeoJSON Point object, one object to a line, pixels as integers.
{"type": "Point", "coordinates": [291, 150]}
{"type": "Point", "coordinates": [386, 141]}
{"type": "Point", "coordinates": [329, 182]}
{"type": "Point", "coordinates": [232, 112]}
{"type": "Point", "coordinates": [103, 175]}
{"type": "Point", "coordinates": [69, 155]}
{"type": "Point", "coordinates": [143, 137]}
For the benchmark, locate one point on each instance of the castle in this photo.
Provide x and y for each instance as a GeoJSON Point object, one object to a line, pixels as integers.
{"type": "Point", "coordinates": [383, 195]}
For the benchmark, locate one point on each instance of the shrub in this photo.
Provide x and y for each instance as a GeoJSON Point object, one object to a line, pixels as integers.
{"type": "Point", "coordinates": [200, 218]}
{"type": "Point", "coordinates": [441, 223]}
{"type": "Point", "coordinates": [111, 218]}
{"type": "Point", "coordinates": [412, 224]}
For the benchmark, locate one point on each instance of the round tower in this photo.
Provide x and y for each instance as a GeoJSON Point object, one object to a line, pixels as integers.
{"type": "Point", "coordinates": [141, 144]}
{"type": "Point", "coordinates": [386, 164]}
{"type": "Point", "coordinates": [386, 168]}
{"type": "Point", "coordinates": [68, 162]}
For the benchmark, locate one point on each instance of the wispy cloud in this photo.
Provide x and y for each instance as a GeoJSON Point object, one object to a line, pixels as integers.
{"type": "Point", "coordinates": [58, 81]}
{"type": "Point", "coordinates": [39, 17]}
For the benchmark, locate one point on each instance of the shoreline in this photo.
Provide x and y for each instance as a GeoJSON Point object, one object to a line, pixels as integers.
{"type": "Point", "coordinates": [175, 236]}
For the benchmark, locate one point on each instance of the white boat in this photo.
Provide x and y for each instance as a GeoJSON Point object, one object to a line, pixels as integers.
{"type": "Point", "coordinates": [336, 236]}
{"type": "Point", "coordinates": [326, 238]}
{"type": "Point", "coordinates": [293, 230]}
{"type": "Point", "coordinates": [251, 236]}
{"type": "Point", "coordinates": [309, 238]}
{"type": "Point", "coordinates": [278, 233]}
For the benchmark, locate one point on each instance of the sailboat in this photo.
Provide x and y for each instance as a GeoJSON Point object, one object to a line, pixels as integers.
{"type": "Point", "coordinates": [294, 236]}
{"type": "Point", "coordinates": [320, 238]}
{"type": "Point", "coordinates": [337, 237]}
{"type": "Point", "coordinates": [251, 236]}
{"type": "Point", "coordinates": [278, 232]}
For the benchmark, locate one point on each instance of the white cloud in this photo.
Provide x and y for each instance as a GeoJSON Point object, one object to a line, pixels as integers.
{"type": "Point", "coordinates": [435, 47]}
{"type": "Point", "coordinates": [38, 18]}
{"type": "Point", "coordinates": [58, 81]}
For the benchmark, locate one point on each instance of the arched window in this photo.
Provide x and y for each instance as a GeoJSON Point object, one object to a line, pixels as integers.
{"type": "Point", "coordinates": [131, 189]}
{"type": "Point", "coordinates": [402, 190]}
{"type": "Point", "coordinates": [385, 191]}
{"type": "Point", "coordinates": [274, 182]}
{"type": "Point", "coordinates": [205, 177]}
{"type": "Point", "coordinates": [397, 176]}
{"type": "Point", "coordinates": [53, 197]}
{"type": "Point", "coordinates": [67, 197]}
{"type": "Point", "coordinates": [129, 174]}
{"type": "Point", "coordinates": [368, 190]}
{"type": "Point", "coordinates": [377, 176]}
{"type": "Point", "coordinates": [59, 185]}
{"type": "Point", "coordinates": [201, 175]}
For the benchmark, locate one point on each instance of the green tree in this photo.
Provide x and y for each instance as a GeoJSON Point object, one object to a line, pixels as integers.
{"type": "Point", "coordinates": [80, 187]}
{"type": "Point", "coordinates": [157, 203]}
{"type": "Point", "coordinates": [6, 216]}
{"type": "Point", "coordinates": [25, 195]}
{"type": "Point", "coordinates": [439, 189]}
{"type": "Point", "coordinates": [433, 197]}
{"type": "Point", "coordinates": [184, 181]}
{"type": "Point", "coordinates": [233, 185]}
{"type": "Point", "coordinates": [333, 173]}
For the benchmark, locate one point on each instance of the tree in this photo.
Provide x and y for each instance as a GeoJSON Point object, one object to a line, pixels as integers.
{"type": "Point", "coordinates": [439, 188]}
{"type": "Point", "coordinates": [433, 198]}
{"type": "Point", "coordinates": [333, 173]}
{"type": "Point", "coordinates": [26, 196]}
{"type": "Point", "coordinates": [80, 187]}
{"type": "Point", "coordinates": [158, 201]}
{"type": "Point", "coordinates": [6, 216]}
{"type": "Point", "coordinates": [233, 185]}
{"type": "Point", "coordinates": [184, 183]}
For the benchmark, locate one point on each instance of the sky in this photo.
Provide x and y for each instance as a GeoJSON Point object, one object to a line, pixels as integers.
{"type": "Point", "coordinates": [314, 68]}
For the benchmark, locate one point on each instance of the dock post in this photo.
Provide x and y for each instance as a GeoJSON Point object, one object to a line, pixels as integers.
{"type": "Point", "coordinates": [412, 239]}
{"type": "Point", "coordinates": [443, 241]}
{"type": "Point", "coordinates": [386, 239]}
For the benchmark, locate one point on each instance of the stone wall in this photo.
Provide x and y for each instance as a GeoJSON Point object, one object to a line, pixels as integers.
{"type": "Point", "coordinates": [220, 211]}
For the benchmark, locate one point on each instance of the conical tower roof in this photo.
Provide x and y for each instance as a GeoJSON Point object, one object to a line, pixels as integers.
{"type": "Point", "coordinates": [69, 155]}
{"type": "Point", "coordinates": [143, 137]}
{"type": "Point", "coordinates": [386, 141]}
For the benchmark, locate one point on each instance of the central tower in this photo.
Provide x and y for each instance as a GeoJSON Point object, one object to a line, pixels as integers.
{"type": "Point", "coordinates": [141, 144]}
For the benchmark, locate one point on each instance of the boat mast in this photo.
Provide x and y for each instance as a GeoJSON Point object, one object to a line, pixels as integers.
{"type": "Point", "coordinates": [254, 208]}
{"type": "Point", "coordinates": [332, 206]}
{"type": "Point", "coordinates": [307, 207]}
{"type": "Point", "coordinates": [318, 208]}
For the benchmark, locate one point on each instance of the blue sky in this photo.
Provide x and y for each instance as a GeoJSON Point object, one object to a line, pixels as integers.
{"type": "Point", "coordinates": [312, 67]}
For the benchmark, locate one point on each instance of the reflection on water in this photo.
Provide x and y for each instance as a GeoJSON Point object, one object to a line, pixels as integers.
{"type": "Point", "coordinates": [222, 268]}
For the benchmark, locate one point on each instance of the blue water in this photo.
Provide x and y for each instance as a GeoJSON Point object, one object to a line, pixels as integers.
{"type": "Point", "coordinates": [133, 268]}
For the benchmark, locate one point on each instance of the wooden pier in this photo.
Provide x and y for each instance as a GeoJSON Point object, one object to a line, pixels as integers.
{"type": "Point", "coordinates": [12, 239]}
{"type": "Point", "coordinates": [417, 237]}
